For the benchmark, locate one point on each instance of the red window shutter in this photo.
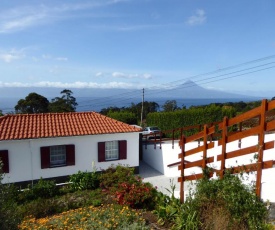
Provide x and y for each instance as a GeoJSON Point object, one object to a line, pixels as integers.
{"type": "Point", "coordinates": [45, 157]}
{"type": "Point", "coordinates": [101, 151]}
{"type": "Point", "coordinates": [4, 157]}
{"type": "Point", "coordinates": [122, 150]}
{"type": "Point", "coordinates": [70, 154]}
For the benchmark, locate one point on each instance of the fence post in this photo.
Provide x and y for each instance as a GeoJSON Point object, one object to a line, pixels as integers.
{"type": "Point", "coordinates": [205, 136]}
{"type": "Point", "coordinates": [224, 141]}
{"type": "Point", "coordinates": [260, 148]}
{"type": "Point", "coordinates": [240, 130]}
{"type": "Point", "coordinates": [182, 143]}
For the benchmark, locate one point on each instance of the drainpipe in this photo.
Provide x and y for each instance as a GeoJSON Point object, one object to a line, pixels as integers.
{"type": "Point", "coordinates": [30, 147]}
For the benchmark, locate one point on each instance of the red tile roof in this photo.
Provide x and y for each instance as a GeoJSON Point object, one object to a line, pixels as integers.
{"type": "Point", "coordinates": [29, 126]}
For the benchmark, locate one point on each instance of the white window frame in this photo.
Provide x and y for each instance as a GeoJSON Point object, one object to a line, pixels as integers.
{"type": "Point", "coordinates": [57, 155]}
{"type": "Point", "coordinates": [111, 150]}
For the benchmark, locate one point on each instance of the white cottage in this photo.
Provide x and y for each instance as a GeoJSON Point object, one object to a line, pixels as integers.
{"type": "Point", "coordinates": [56, 145]}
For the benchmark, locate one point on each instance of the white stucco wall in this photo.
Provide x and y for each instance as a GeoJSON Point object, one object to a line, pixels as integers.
{"type": "Point", "coordinates": [159, 158]}
{"type": "Point", "coordinates": [25, 162]}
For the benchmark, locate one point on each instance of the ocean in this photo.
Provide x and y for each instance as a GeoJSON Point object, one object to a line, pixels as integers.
{"type": "Point", "coordinates": [89, 104]}
{"type": "Point", "coordinates": [97, 104]}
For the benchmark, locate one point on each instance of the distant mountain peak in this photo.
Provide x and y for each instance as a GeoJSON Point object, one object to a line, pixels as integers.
{"type": "Point", "coordinates": [189, 84]}
{"type": "Point", "coordinates": [190, 89]}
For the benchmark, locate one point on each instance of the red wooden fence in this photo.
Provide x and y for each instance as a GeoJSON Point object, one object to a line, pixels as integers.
{"type": "Point", "coordinates": [223, 128]}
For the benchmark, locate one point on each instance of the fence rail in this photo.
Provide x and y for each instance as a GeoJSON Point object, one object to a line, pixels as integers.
{"type": "Point", "coordinates": [221, 129]}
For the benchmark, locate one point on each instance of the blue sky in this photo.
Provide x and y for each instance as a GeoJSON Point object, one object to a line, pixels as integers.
{"type": "Point", "coordinates": [139, 44]}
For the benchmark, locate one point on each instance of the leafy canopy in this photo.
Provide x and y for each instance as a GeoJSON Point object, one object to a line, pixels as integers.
{"type": "Point", "coordinates": [33, 103]}
{"type": "Point", "coordinates": [65, 103]}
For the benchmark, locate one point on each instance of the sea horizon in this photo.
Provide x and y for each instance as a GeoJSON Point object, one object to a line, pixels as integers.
{"type": "Point", "coordinates": [97, 104]}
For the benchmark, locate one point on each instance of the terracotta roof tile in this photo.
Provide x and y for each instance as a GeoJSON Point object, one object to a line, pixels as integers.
{"type": "Point", "coordinates": [29, 126]}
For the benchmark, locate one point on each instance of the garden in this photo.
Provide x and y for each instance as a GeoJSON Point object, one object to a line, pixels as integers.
{"type": "Point", "coordinates": [116, 198]}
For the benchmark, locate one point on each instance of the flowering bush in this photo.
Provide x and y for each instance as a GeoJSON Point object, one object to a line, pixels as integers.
{"type": "Point", "coordinates": [103, 217]}
{"type": "Point", "coordinates": [114, 175]}
{"type": "Point", "coordinates": [136, 195]}
{"type": "Point", "coordinates": [127, 188]}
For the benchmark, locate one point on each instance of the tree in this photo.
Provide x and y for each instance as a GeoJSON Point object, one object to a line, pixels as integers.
{"type": "Point", "coordinates": [33, 103]}
{"type": "Point", "coordinates": [148, 107]}
{"type": "Point", "coordinates": [1, 113]}
{"type": "Point", "coordinates": [124, 116]}
{"type": "Point", "coordinates": [65, 103]}
{"type": "Point", "coordinates": [105, 111]}
{"type": "Point", "coordinates": [170, 106]}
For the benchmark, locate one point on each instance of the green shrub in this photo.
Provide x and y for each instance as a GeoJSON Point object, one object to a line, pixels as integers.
{"type": "Point", "coordinates": [188, 117]}
{"type": "Point", "coordinates": [40, 207]}
{"type": "Point", "coordinates": [167, 207]}
{"type": "Point", "coordinates": [45, 189]}
{"type": "Point", "coordinates": [84, 180]}
{"type": "Point", "coordinates": [43, 207]}
{"type": "Point", "coordinates": [96, 197]}
{"type": "Point", "coordinates": [42, 189]}
{"type": "Point", "coordinates": [225, 203]}
{"type": "Point", "coordinates": [115, 175]}
{"type": "Point", "coordinates": [9, 216]}
{"type": "Point", "coordinates": [215, 204]}
{"type": "Point", "coordinates": [124, 116]}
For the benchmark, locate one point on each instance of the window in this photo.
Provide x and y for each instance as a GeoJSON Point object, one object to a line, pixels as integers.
{"type": "Point", "coordinates": [4, 157]}
{"type": "Point", "coordinates": [57, 155]}
{"type": "Point", "coordinates": [112, 150]}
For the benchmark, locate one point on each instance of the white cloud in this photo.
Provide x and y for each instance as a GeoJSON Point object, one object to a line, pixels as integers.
{"type": "Point", "coordinates": [49, 57]}
{"type": "Point", "coordinates": [14, 84]}
{"type": "Point", "coordinates": [131, 76]}
{"type": "Point", "coordinates": [109, 85]}
{"type": "Point", "coordinates": [12, 55]}
{"type": "Point", "coordinates": [8, 57]}
{"type": "Point", "coordinates": [21, 18]}
{"type": "Point", "coordinates": [119, 75]}
{"type": "Point", "coordinates": [17, 19]}
{"type": "Point", "coordinates": [197, 19]}
{"type": "Point", "coordinates": [99, 74]}
{"type": "Point", "coordinates": [147, 76]}
{"type": "Point", "coordinates": [20, 23]}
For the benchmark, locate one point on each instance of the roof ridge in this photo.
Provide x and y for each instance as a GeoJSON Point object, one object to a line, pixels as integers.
{"type": "Point", "coordinates": [50, 113]}
{"type": "Point", "coordinates": [4, 116]}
